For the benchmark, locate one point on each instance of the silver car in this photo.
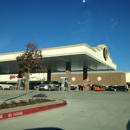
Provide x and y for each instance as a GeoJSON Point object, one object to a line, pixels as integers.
{"type": "Point", "coordinates": [49, 85]}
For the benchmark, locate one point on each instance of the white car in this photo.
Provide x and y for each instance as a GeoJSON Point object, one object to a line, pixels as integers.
{"type": "Point", "coordinates": [6, 86]}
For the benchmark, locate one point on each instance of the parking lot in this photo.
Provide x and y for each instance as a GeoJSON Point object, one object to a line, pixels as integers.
{"type": "Point", "coordinates": [86, 110]}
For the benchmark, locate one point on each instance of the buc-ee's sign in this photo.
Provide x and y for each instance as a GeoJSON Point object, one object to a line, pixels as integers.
{"type": "Point", "coordinates": [13, 77]}
{"type": "Point", "coordinates": [31, 76]}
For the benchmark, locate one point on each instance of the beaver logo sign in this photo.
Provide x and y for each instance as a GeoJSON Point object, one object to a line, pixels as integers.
{"type": "Point", "coordinates": [105, 53]}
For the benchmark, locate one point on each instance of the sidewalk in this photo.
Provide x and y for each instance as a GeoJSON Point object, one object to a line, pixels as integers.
{"type": "Point", "coordinates": [30, 109]}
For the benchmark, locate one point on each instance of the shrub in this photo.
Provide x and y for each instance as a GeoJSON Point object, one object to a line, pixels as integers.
{"type": "Point", "coordinates": [13, 104]}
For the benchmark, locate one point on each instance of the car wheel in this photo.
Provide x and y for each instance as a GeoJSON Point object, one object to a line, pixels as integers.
{"type": "Point", "coordinates": [0, 88]}
{"type": "Point", "coordinates": [115, 90]}
{"type": "Point", "coordinates": [10, 88]}
{"type": "Point", "coordinates": [57, 88]}
{"type": "Point", "coordinates": [126, 90]}
{"type": "Point", "coordinates": [49, 88]}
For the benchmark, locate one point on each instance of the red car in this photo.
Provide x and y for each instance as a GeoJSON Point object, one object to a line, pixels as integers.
{"type": "Point", "coordinates": [97, 87]}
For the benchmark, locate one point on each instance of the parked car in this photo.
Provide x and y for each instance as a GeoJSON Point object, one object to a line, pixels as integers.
{"type": "Point", "coordinates": [76, 87]}
{"type": "Point", "coordinates": [6, 86]}
{"type": "Point", "coordinates": [98, 87]}
{"type": "Point", "coordinates": [117, 88]}
{"type": "Point", "coordinates": [33, 85]}
{"type": "Point", "coordinates": [72, 87]}
{"type": "Point", "coordinates": [49, 85]}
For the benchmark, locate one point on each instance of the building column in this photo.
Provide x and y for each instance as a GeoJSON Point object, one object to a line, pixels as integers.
{"type": "Point", "coordinates": [48, 75]}
{"type": "Point", "coordinates": [68, 74]}
{"type": "Point", "coordinates": [85, 75]}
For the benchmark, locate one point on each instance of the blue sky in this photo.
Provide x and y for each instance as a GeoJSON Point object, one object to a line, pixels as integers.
{"type": "Point", "coordinates": [50, 23]}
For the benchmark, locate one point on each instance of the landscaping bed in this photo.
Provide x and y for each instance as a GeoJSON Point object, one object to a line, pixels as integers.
{"type": "Point", "coordinates": [13, 104]}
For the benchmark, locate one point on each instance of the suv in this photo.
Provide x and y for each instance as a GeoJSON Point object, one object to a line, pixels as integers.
{"type": "Point", "coordinates": [117, 88]}
{"type": "Point", "coordinates": [49, 85]}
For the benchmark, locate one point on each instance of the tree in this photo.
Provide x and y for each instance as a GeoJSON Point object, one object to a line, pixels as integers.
{"type": "Point", "coordinates": [30, 60]}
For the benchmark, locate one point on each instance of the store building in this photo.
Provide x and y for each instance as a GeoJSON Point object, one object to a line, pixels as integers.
{"type": "Point", "coordinates": [69, 59]}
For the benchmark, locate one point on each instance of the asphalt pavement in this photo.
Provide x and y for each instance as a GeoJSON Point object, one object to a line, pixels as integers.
{"type": "Point", "coordinates": [85, 110]}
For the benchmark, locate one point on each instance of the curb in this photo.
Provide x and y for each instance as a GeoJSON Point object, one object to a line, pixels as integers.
{"type": "Point", "coordinates": [31, 110]}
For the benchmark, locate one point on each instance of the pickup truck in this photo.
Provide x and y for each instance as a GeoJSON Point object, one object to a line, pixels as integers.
{"type": "Point", "coordinates": [6, 86]}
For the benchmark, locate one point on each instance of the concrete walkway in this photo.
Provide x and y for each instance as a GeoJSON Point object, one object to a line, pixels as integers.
{"type": "Point", "coordinates": [84, 111]}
